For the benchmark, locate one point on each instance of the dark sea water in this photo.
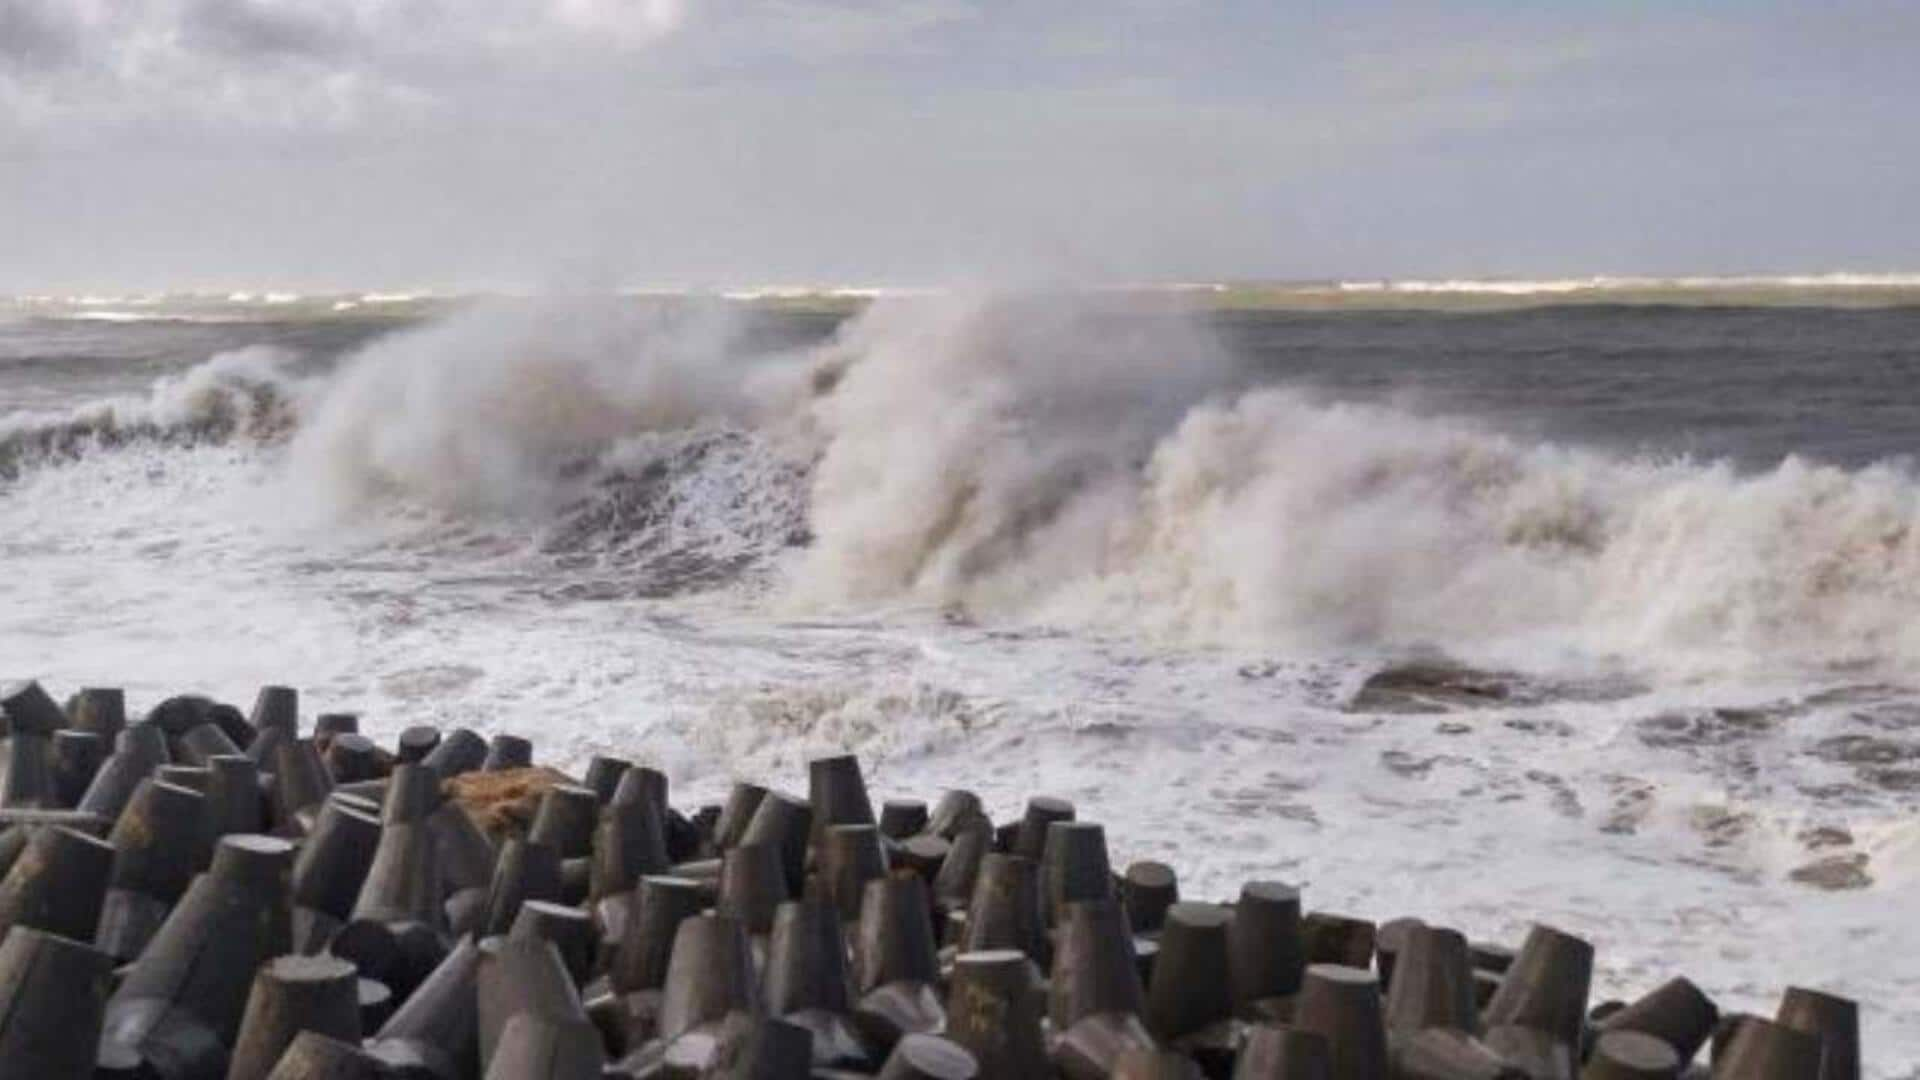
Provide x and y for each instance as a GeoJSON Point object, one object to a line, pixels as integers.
{"type": "Point", "coordinates": [1751, 385]}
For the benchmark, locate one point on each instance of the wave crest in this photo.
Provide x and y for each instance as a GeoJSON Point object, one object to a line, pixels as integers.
{"type": "Point", "coordinates": [678, 511]}
{"type": "Point", "coordinates": [496, 409]}
{"type": "Point", "coordinates": [250, 393]}
{"type": "Point", "coordinates": [1043, 470]}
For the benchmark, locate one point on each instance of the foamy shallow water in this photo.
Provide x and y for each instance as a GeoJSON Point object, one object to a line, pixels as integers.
{"type": "Point", "coordinates": [1668, 842]}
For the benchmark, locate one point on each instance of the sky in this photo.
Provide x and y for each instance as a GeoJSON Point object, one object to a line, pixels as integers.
{"type": "Point", "coordinates": [341, 144]}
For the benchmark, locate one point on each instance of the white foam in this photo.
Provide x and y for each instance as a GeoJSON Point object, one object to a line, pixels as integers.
{"type": "Point", "coordinates": [251, 393]}
{"type": "Point", "coordinates": [1053, 461]}
{"type": "Point", "coordinates": [490, 410]}
{"type": "Point", "coordinates": [1024, 465]}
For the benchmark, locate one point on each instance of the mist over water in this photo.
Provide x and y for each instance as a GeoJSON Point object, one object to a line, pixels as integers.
{"type": "Point", "coordinates": [489, 410]}
{"type": "Point", "coordinates": [1517, 604]}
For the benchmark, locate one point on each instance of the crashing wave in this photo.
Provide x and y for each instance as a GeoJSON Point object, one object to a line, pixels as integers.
{"type": "Point", "coordinates": [1058, 460]}
{"type": "Point", "coordinates": [685, 511]}
{"type": "Point", "coordinates": [247, 394]}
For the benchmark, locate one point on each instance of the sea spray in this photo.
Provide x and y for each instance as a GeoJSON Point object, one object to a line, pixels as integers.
{"type": "Point", "coordinates": [496, 408]}
{"type": "Point", "coordinates": [1281, 518]}
{"type": "Point", "coordinates": [1053, 459]}
{"type": "Point", "coordinates": [1047, 462]}
{"type": "Point", "coordinates": [977, 451]}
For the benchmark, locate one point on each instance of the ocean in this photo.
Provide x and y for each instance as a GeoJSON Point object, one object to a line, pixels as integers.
{"type": "Point", "coordinates": [1591, 605]}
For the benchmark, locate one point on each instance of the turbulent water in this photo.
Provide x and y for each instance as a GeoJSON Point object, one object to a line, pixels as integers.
{"type": "Point", "coordinates": [1599, 614]}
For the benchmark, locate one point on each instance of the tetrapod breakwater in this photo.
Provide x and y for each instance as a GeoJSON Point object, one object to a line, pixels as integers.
{"type": "Point", "coordinates": [205, 894]}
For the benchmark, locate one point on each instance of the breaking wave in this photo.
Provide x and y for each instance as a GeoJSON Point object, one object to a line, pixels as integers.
{"type": "Point", "coordinates": [1064, 471]}
{"type": "Point", "coordinates": [1039, 458]}
{"type": "Point", "coordinates": [250, 393]}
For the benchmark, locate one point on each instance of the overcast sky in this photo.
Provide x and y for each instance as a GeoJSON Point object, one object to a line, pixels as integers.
{"type": "Point", "coordinates": [464, 143]}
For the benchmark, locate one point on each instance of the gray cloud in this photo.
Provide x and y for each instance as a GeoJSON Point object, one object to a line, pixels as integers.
{"type": "Point", "coordinates": [404, 142]}
{"type": "Point", "coordinates": [35, 36]}
{"type": "Point", "coordinates": [257, 30]}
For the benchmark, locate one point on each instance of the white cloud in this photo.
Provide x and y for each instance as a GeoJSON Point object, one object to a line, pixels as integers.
{"type": "Point", "coordinates": [289, 64]}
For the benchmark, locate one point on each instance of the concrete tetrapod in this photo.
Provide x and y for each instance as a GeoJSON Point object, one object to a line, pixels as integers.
{"type": "Point", "coordinates": [959, 872]}
{"type": "Point", "coordinates": [838, 795]}
{"type": "Point", "coordinates": [333, 864]}
{"type": "Point", "coordinates": [522, 975]}
{"type": "Point", "coordinates": [1439, 1053]}
{"type": "Point", "coordinates": [1186, 992]}
{"type": "Point", "coordinates": [660, 904]}
{"type": "Point", "coordinates": [138, 750]}
{"type": "Point", "coordinates": [742, 800]}
{"type": "Point", "coordinates": [76, 759]}
{"type": "Point", "coordinates": [435, 1033]}
{"type": "Point", "coordinates": [603, 776]}
{"type": "Point", "coordinates": [629, 843]}
{"type": "Point", "coordinates": [1276, 1052]}
{"type": "Point", "coordinates": [100, 710]}
{"type": "Point", "coordinates": [806, 981]}
{"type": "Point", "coordinates": [461, 751]}
{"type": "Point", "coordinates": [994, 1010]}
{"type": "Point", "coordinates": [894, 962]}
{"type": "Point", "coordinates": [525, 871]}
{"type": "Point", "coordinates": [1433, 983]}
{"type": "Point", "coordinates": [1148, 889]}
{"type": "Point", "coordinates": [27, 709]}
{"type": "Point", "coordinates": [753, 885]}
{"type": "Point", "coordinates": [1142, 1063]}
{"type": "Point", "coordinates": [785, 823]}
{"type": "Point", "coordinates": [57, 884]}
{"type": "Point", "coordinates": [26, 771]}
{"type": "Point", "coordinates": [1095, 999]}
{"type": "Point", "coordinates": [1836, 1020]}
{"type": "Point", "coordinates": [760, 1048]}
{"type": "Point", "coordinates": [1676, 1011]}
{"type": "Point", "coordinates": [1765, 1050]}
{"type": "Point", "coordinates": [929, 1057]}
{"type": "Point", "coordinates": [160, 843]}
{"type": "Point", "coordinates": [1030, 837]}
{"type": "Point", "coordinates": [1546, 988]}
{"type": "Point", "coordinates": [507, 752]}
{"type": "Point", "coordinates": [415, 743]}
{"type": "Point", "coordinates": [1074, 866]}
{"type": "Point", "coordinates": [902, 818]}
{"type": "Point", "coordinates": [534, 1046]}
{"type": "Point", "coordinates": [234, 803]}
{"type": "Point", "coordinates": [179, 1006]}
{"type": "Point", "coordinates": [565, 820]}
{"type": "Point", "coordinates": [955, 808]}
{"type": "Point", "coordinates": [1005, 912]}
{"type": "Point", "coordinates": [292, 994]}
{"type": "Point", "coordinates": [313, 1056]}
{"type": "Point", "coordinates": [1342, 1005]}
{"type": "Point", "coordinates": [1631, 1055]}
{"type": "Point", "coordinates": [850, 856]}
{"type": "Point", "coordinates": [53, 996]}
{"type": "Point", "coordinates": [276, 707]}
{"type": "Point", "coordinates": [568, 929]}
